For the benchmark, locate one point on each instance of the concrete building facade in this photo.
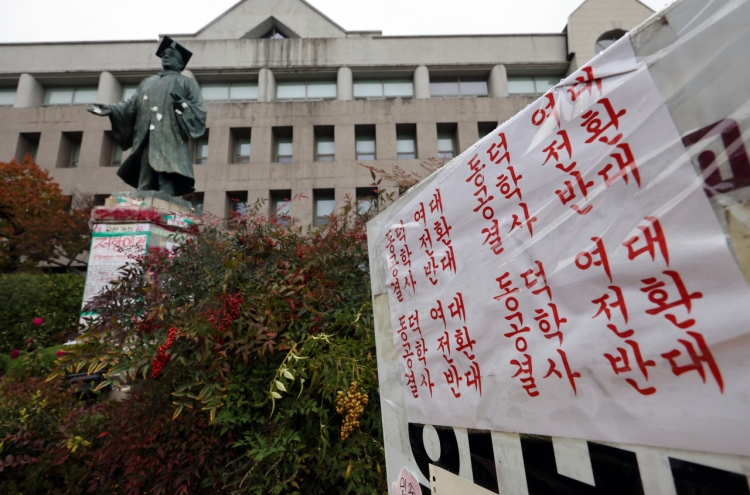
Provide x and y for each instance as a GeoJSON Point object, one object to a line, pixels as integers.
{"type": "Point", "coordinates": [295, 102]}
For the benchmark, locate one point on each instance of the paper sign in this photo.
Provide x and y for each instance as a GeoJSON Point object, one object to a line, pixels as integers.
{"type": "Point", "coordinates": [568, 277]}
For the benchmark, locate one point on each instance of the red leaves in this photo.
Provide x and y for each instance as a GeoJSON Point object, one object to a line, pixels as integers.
{"type": "Point", "coordinates": [34, 224]}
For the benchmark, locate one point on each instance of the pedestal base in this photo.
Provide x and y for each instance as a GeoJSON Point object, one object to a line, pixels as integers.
{"type": "Point", "coordinates": [128, 226]}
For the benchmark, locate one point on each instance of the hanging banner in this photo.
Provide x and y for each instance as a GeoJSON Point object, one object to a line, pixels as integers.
{"type": "Point", "coordinates": [567, 276]}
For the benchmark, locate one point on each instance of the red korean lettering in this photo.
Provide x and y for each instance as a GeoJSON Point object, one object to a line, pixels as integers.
{"type": "Point", "coordinates": [660, 298]}
{"type": "Point", "coordinates": [504, 185]}
{"type": "Point", "coordinates": [414, 322]}
{"type": "Point", "coordinates": [421, 349]}
{"type": "Point", "coordinates": [412, 383]}
{"type": "Point", "coordinates": [569, 373]}
{"type": "Point", "coordinates": [492, 235]}
{"type": "Point", "coordinates": [597, 257]}
{"type": "Point", "coordinates": [405, 254]}
{"type": "Point", "coordinates": [426, 381]}
{"type": "Point", "coordinates": [697, 359]}
{"type": "Point", "coordinates": [444, 343]}
{"type": "Point", "coordinates": [529, 222]}
{"type": "Point", "coordinates": [452, 377]}
{"type": "Point", "coordinates": [409, 282]}
{"type": "Point", "coordinates": [585, 83]}
{"type": "Point", "coordinates": [443, 230]}
{"type": "Point", "coordinates": [437, 313]}
{"type": "Point", "coordinates": [595, 126]}
{"type": "Point", "coordinates": [425, 239]}
{"type": "Point", "coordinates": [625, 163]}
{"type": "Point", "coordinates": [544, 324]}
{"type": "Point", "coordinates": [526, 368]}
{"type": "Point", "coordinates": [457, 307]}
{"type": "Point", "coordinates": [568, 195]}
{"type": "Point", "coordinates": [401, 231]}
{"type": "Point", "coordinates": [553, 148]}
{"type": "Point", "coordinates": [419, 215]}
{"type": "Point", "coordinates": [448, 262]}
{"type": "Point", "coordinates": [464, 341]}
{"type": "Point", "coordinates": [496, 157]}
{"type": "Point", "coordinates": [505, 286]}
{"type": "Point", "coordinates": [653, 237]}
{"type": "Point", "coordinates": [431, 267]}
{"type": "Point", "coordinates": [436, 203]}
{"type": "Point", "coordinates": [549, 108]}
{"type": "Point", "coordinates": [539, 274]}
{"type": "Point", "coordinates": [474, 377]}
{"type": "Point", "coordinates": [605, 307]}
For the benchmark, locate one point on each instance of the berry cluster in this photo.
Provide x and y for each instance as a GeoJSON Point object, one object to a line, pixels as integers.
{"type": "Point", "coordinates": [161, 358]}
{"type": "Point", "coordinates": [229, 312]}
{"type": "Point", "coordinates": [353, 405]}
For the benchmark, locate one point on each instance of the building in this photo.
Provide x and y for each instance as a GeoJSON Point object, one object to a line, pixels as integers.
{"type": "Point", "coordinates": [294, 101]}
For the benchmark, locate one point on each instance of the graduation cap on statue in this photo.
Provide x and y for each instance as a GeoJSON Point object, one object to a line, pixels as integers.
{"type": "Point", "coordinates": [168, 42]}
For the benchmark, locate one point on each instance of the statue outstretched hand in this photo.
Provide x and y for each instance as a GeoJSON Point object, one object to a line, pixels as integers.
{"type": "Point", "coordinates": [100, 109]}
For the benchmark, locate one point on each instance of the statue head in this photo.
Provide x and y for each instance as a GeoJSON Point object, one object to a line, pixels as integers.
{"type": "Point", "coordinates": [173, 55]}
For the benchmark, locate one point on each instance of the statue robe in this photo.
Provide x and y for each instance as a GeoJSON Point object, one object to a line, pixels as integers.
{"type": "Point", "coordinates": [149, 119]}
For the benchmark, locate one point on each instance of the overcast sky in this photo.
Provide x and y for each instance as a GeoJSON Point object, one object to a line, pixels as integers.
{"type": "Point", "coordinates": [87, 20]}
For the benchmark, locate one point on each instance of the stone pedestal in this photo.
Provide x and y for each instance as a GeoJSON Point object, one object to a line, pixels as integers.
{"type": "Point", "coordinates": [127, 226]}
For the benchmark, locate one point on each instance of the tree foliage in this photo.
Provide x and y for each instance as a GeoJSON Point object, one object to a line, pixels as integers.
{"type": "Point", "coordinates": [56, 299]}
{"type": "Point", "coordinates": [256, 328]}
{"type": "Point", "coordinates": [36, 221]}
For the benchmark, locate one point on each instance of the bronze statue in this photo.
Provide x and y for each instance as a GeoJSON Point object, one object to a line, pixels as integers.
{"type": "Point", "coordinates": [157, 121]}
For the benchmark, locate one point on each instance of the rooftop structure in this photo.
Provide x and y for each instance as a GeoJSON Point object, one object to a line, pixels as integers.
{"type": "Point", "coordinates": [294, 100]}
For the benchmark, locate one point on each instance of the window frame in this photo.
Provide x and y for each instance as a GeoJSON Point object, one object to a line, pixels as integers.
{"type": "Point", "coordinates": [382, 82]}
{"type": "Point", "coordinates": [229, 98]}
{"type": "Point", "coordinates": [9, 90]}
{"type": "Point", "coordinates": [196, 146]}
{"type": "Point", "coordinates": [306, 84]}
{"type": "Point", "coordinates": [74, 90]}
{"type": "Point", "coordinates": [533, 78]}
{"type": "Point", "coordinates": [458, 86]}
{"type": "Point", "coordinates": [328, 195]}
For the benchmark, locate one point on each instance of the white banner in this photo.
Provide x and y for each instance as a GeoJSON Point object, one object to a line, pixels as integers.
{"type": "Point", "coordinates": [568, 277]}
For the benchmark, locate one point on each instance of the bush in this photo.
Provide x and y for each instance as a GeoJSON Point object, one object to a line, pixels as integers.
{"type": "Point", "coordinates": [55, 298]}
{"type": "Point", "coordinates": [261, 332]}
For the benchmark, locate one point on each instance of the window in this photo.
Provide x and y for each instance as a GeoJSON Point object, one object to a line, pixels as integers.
{"type": "Point", "coordinates": [406, 141]}
{"type": "Point", "coordinates": [28, 142]}
{"type": "Point", "coordinates": [283, 149]}
{"type": "Point", "coordinates": [305, 90]}
{"type": "Point", "coordinates": [531, 85]}
{"type": "Point", "coordinates": [240, 145]}
{"type": "Point", "coordinates": [78, 95]}
{"type": "Point", "coordinates": [325, 148]}
{"type": "Point", "coordinates": [281, 207]}
{"type": "Point", "coordinates": [365, 142]}
{"type": "Point", "coordinates": [458, 88]}
{"type": "Point", "coordinates": [324, 202]}
{"type": "Point", "coordinates": [70, 150]}
{"type": "Point", "coordinates": [485, 128]}
{"type": "Point", "coordinates": [117, 156]}
{"type": "Point", "coordinates": [7, 97]}
{"type": "Point", "coordinates": [607, 39]}
{"type": "Point", "coordinates": [274, 34]}
{"type": "Point", "coordinates": [378, 89]}
{"type": "Point", "coordinates": [200, 150]}
{"type": "Point", "coordinates": [446, 140]}
{"type": "Point", "coordinates": [230, 91]}
{"type": "Point", "coordinates": [196, 200]}
{"type": "Point", "coordinates": [111, 154]}
{"type": "Point", "coordinates": [75, 155]}
{"type": "Point", "coordinates": [128, 91]}
{"type": "Point", "coordinates": [367, 200]}
{"type": "Point", "coordinates": [236, 203]}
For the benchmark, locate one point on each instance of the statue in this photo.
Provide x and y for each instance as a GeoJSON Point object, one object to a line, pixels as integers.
{"type": "Point", "coordinates": [157, 121]}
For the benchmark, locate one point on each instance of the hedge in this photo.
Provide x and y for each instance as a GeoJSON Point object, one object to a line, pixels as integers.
{"type": "Point", "coordinates": [24, 296]}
